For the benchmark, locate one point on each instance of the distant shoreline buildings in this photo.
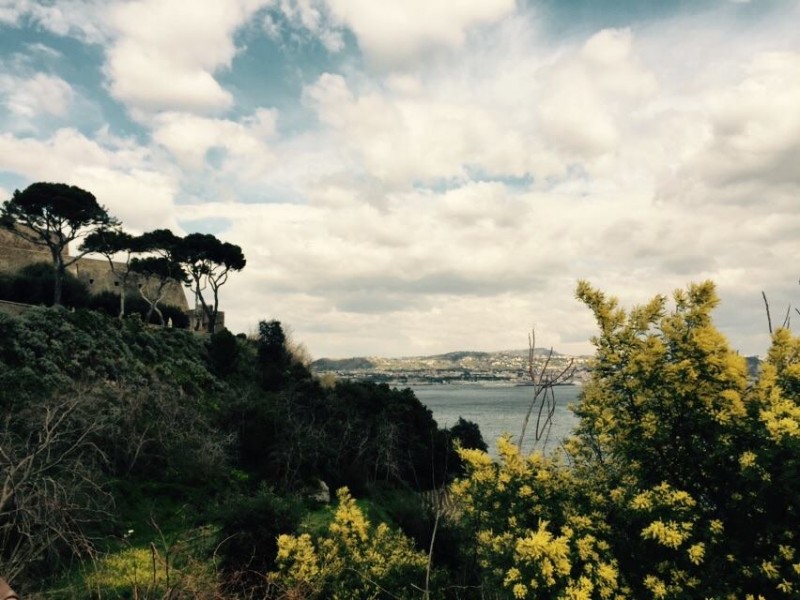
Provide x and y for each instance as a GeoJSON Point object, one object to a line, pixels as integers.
{"type": "Point", "coordinates": [456, 368]}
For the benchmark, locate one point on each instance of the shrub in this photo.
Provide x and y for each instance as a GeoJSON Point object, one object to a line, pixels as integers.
{"type": "Point", "coordinates": [33, 284]}
{"type": "Point", "coordinates": [684, 478]}
{"type": "Point", "coordinates": [223, 352]}
{"type": "Point", "coordinates": [250, 526]}
{"type": "Point", "coordinates": [352, 560]}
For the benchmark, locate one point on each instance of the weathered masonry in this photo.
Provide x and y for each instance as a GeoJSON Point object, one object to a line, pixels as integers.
{"type": "Point", "coordinates": [16, 253]}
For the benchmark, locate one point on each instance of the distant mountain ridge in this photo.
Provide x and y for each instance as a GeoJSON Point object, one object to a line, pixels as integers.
{"type": "Point", "coordinates": [467, 360]}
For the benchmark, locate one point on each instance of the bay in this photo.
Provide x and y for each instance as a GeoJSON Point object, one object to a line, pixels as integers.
{"type": "Point", "coordinates": [498, 409]}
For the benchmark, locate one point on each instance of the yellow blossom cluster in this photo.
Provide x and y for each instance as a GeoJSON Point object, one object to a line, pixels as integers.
{"type": "Point", "coordinates": [354, 560]}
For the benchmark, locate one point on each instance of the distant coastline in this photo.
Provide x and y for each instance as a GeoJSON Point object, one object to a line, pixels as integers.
{"type": "Point", "coordinates": [454, 368]}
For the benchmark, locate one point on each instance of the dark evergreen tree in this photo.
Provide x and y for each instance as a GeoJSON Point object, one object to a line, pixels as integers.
{"type": "Point", "coordinates": [53, 215]}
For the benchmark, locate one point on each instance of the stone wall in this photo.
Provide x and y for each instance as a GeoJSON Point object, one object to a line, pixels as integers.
{"type": "Point", "coordinates": [98, 277]}
{"type": "Point", "coordinates": [13, 308]}
{"type": "Point", "coordinates": [16, 253]}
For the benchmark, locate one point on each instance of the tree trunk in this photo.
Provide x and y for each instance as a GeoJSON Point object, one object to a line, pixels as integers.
{"type": "Point", "coordinates": [211, 315]}
{"type": "Point", "coordinates": [153, 304]}
{"type": "Point", "coordinates": [58, 281]}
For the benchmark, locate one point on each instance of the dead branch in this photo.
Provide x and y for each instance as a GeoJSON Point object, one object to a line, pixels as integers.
{"type": "Point", "coordinates": [48, 483]}
{"type": "Point", "coordinates": [766, 305]}
{"type": "Point", "coordinates": [544, 380]}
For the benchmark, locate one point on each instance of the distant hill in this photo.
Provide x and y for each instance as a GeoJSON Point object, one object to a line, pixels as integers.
{"type": "Point", "coordinates": [465, 360]}
{"type": "Point", "coordinates": [342, 364]}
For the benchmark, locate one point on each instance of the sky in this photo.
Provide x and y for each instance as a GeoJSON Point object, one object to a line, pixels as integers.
{"type": "Point", "coordinates": [417, 177]}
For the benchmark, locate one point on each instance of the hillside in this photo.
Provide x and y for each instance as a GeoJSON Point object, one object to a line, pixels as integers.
{"type": "Point", "coordinates": [119, 440]}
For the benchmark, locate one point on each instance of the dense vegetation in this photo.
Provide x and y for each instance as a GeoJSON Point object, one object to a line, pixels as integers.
{"type": "Point", "coordinates": [184, 465]}
{"type": "Point", "coordinates": [117, 436]}
{"type": "Point", "coordinates": [682, 481]}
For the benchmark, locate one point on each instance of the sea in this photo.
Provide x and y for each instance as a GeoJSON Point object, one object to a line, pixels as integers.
{"type": "Point", "coordinates": [500, 410]}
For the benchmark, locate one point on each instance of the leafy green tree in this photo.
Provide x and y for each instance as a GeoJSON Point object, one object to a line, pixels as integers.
{"type": "Point", "coordinates": [157, 272]}
{"type": "Point", "coordinates": [468, 434]}
{"type": "Point", "coordinates": [110, 243]}
{"type": "Point", "coordinates": [161, 242]}
{"type": "Point", "coordinates": [250, 526]}
{"type": "Point", "coordinates": [223, 353]}
{"type": "Point", "coordinates": [273, 356]}
{"type": "Point", "coordinates": [208, 262]}
{"type": "Point", "coordinates": [53, 215]}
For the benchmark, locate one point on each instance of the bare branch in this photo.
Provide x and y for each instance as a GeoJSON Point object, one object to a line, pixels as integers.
{"type": "Point", "coordinates": [543, 381]}
{"type": "Point", "coordinates": [766, 304]}
{"type": "Point", "coordinates": [48, 483]}
{"type": "Point", "coordinates": [787, 317]}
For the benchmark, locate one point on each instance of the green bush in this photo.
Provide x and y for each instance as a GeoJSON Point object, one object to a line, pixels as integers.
{"type": "Point", "coordinates": [223, 353]}
{"type": "Point", "coordinates": [33, 284]}
{"type": "Point", "coordinates": [250, 526]}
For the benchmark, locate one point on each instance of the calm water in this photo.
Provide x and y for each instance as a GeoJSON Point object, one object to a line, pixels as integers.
{"type": "Point", "coordinates": [497, 410]}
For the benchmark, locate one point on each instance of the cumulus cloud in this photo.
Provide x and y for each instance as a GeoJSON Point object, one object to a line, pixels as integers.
{"type": "Point", "coordinates": [165, 53]}
{"type": "Point", "coordinates": [752, 145]}
{"type": "Point", "coordinates": [422, 258]}
{"type": "Point", "coordinates": [461, 203]}
{"type": "Point", "coordinates": [394, 33]}
{"type": "Point", "coordinates": [522, 116]}
{"type": "Point", "coordinates": [40, 94]}
{"type": "Point", "coordinates": [118, 172]}
{"type": "Point", "coordinates": [76, 18]}
{"type": "Point", "coordinates": [451, 201]}
{"type": "Point", "coordinates": [385, 134]}
{"type": "Point", "coordinates": [586, 96]}
{"type": "Point", "coordinates": [391, 35]}
{"type": "Point", "coordinates": [190, 138]}
{"type": "Point", "coordinates": [11, 11]}
{"type": "Point", "coordinates": [160, 54]}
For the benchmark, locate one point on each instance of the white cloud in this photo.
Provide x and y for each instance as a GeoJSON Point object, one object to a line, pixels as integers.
{"type": "Point", "coordinates": [400, 139]}
{"type": "Point", "coordinates": [427, 259]}
{"type": "Point", "coordinates": [11, 11]}
{"type": "Point", "coordinates": [160, 54]}
{"type": "Point", "coordinates": [393, 33]}
{"type": "Point", "coordinates": [118, 173]}
{"type": "Point", "coordinates": [600, 124]}
{"type": "Point", "coordinates": [523, 115]}
{"type": "Point", "coordinates": [189, 138]}
{"type": "Point", "coordinates": [142, 199]}
{"type": "Point", "coordinates": [40, 94]}
{"type": "Point", "coordinates": [76, 18]}
{"type": "Point", "coordinates": [451, 201]}
{"type": "Point", "coordinates": [752, 145]}
{"type": "Point", "coordinates": [165, 53]}
{"type": "Point", "coordinates": [585, 98]}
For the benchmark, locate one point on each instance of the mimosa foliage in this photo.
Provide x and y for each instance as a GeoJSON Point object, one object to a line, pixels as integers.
{"type": "Point", "coordinates": [353, 560]}
{"type": "Point", "coordinates": [682, 480]}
